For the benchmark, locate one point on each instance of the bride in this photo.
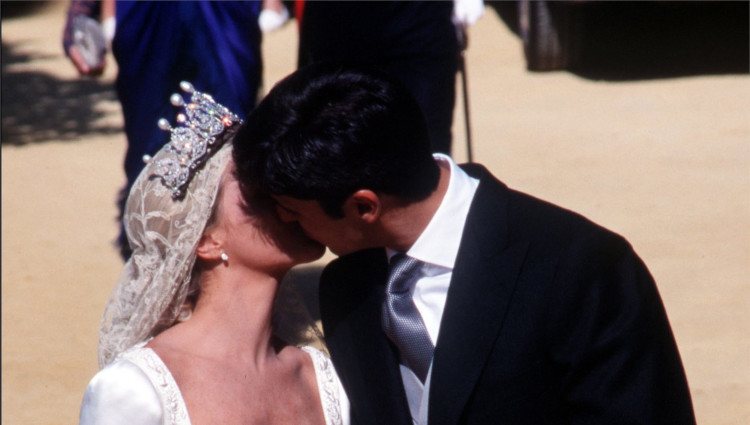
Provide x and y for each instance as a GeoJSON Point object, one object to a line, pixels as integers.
{"type": "Point", "coordinates": [188, 335]}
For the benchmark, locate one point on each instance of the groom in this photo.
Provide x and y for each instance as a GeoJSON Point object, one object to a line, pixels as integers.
{"type": "Point", "coordinates": [455, 300]}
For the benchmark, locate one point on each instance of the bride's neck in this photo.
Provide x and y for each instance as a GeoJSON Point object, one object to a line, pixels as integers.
{"type": "Point", "coordinates": [233, 315]}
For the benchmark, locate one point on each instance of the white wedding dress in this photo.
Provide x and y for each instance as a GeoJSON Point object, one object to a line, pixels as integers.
{"type": "Point", "coordinates": [137, 388]}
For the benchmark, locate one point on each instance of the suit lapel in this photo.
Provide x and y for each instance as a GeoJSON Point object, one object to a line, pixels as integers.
{"type": "Point", "coordinates": [376, 390]}
{"type": "Point", "coordinates": [481, 287]}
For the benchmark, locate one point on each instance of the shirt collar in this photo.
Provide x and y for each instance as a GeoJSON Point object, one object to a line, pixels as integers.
{"type": "Point", "coordinates": [439, 242]}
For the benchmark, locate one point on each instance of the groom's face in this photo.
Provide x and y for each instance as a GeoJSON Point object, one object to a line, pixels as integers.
{"type": "Point", "coordinates": [338, 234]}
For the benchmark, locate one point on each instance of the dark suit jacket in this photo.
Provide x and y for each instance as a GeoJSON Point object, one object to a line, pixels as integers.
{"type": "Point", "coordinates": [550, 319]}
{"type": "Point", "coordinates": [413, 41]}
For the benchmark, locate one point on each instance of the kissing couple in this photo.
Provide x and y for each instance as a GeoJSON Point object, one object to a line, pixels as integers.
{"type": "Point", "coordinates": [454, 299]}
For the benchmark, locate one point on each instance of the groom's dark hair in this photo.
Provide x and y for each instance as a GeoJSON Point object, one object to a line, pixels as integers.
{"type": "Point", "coordinates": [328, 130]}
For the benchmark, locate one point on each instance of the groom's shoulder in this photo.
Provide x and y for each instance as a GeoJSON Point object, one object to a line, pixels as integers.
{"type": "Point", "coordinates": [361, 263]}
{"type": "Point", "coordinates": [531, 218]}
{"type": "Point", "coordinates": [360, 266]}
{"type": "Point", "coordinates": [348, 281]}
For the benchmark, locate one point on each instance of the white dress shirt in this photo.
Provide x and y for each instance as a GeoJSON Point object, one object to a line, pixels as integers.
{"type": "Point", "coordinates": [437, 248]}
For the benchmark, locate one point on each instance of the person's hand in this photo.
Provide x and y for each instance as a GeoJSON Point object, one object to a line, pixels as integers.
{"type": "Point", "coordinates": [84, 68]}
{"type": "Point", "coordinates": [273, 16]}
{"type": "Point", "coordinates": [467, 12]}
{"type": "Point", "coordinates": [85, 39]}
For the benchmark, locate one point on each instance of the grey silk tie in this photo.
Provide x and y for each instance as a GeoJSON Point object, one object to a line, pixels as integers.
{"type": "Point", "coordinates": [401, 320]}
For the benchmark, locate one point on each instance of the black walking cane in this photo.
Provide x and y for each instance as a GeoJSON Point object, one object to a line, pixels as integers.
{"type": "Point", "coordinates": [463, 43]}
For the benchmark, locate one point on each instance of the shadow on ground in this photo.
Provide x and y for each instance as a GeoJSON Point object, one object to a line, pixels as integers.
{"type": "Point", "coordinates": [39, 107]}
{"type": "Point", "coordinates": [621, 41]}
{"type": "Point", "coordinates": [18, 9]}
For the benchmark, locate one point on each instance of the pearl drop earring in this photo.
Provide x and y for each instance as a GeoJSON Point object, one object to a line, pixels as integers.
{"type": "Point", "coordinates": [224, 256]}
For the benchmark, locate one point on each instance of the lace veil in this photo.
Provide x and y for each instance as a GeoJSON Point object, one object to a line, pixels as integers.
{"type": "Point", "coordinates": [163, 233]}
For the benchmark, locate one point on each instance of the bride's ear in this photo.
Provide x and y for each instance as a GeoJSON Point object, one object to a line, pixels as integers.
{"type": "Point", "coordinates": [209, 247]}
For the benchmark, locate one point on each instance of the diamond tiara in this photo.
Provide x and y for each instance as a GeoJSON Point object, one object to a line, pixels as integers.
{"type": "Point", "coordinates": [194, 141]}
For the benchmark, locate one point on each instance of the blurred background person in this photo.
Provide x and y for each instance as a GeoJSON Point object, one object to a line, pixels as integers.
{"type": "Point", "coordinates": [417, 42]}
{"type": "Point", "coordinates": [215, 45]}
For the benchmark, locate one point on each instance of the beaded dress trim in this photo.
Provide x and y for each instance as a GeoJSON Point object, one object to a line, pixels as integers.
{"type": "Point", "coordinates": [329, 391]}
{"type": "Point", "coordinates": [173, 405]}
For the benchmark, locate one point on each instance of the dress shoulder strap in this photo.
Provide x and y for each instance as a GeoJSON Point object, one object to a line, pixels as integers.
{"type": "Point", "coordinates": [332, 394]}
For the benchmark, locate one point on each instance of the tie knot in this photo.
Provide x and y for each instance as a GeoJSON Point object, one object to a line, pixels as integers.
{"type": "Point", "coordinates": [403, 270]}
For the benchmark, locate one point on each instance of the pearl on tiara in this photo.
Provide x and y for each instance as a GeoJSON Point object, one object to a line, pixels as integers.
{"type": "Point", "coordinates": [194, 140]}
{"type": "Point", "coordinates": [177, 100]}
{"type": "Point", "coordinates": [164, 124]}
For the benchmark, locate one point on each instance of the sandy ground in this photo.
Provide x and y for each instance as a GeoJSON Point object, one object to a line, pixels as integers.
{"type": "Point", "coordinates": [665, 162]}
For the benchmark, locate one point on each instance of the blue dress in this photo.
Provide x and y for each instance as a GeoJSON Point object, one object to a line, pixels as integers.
{"type": "Point", "coordinates": [214, 45]}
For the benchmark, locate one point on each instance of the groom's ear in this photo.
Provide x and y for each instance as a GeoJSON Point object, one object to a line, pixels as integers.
{"type": "Point", "coordinates": [365, 205]}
